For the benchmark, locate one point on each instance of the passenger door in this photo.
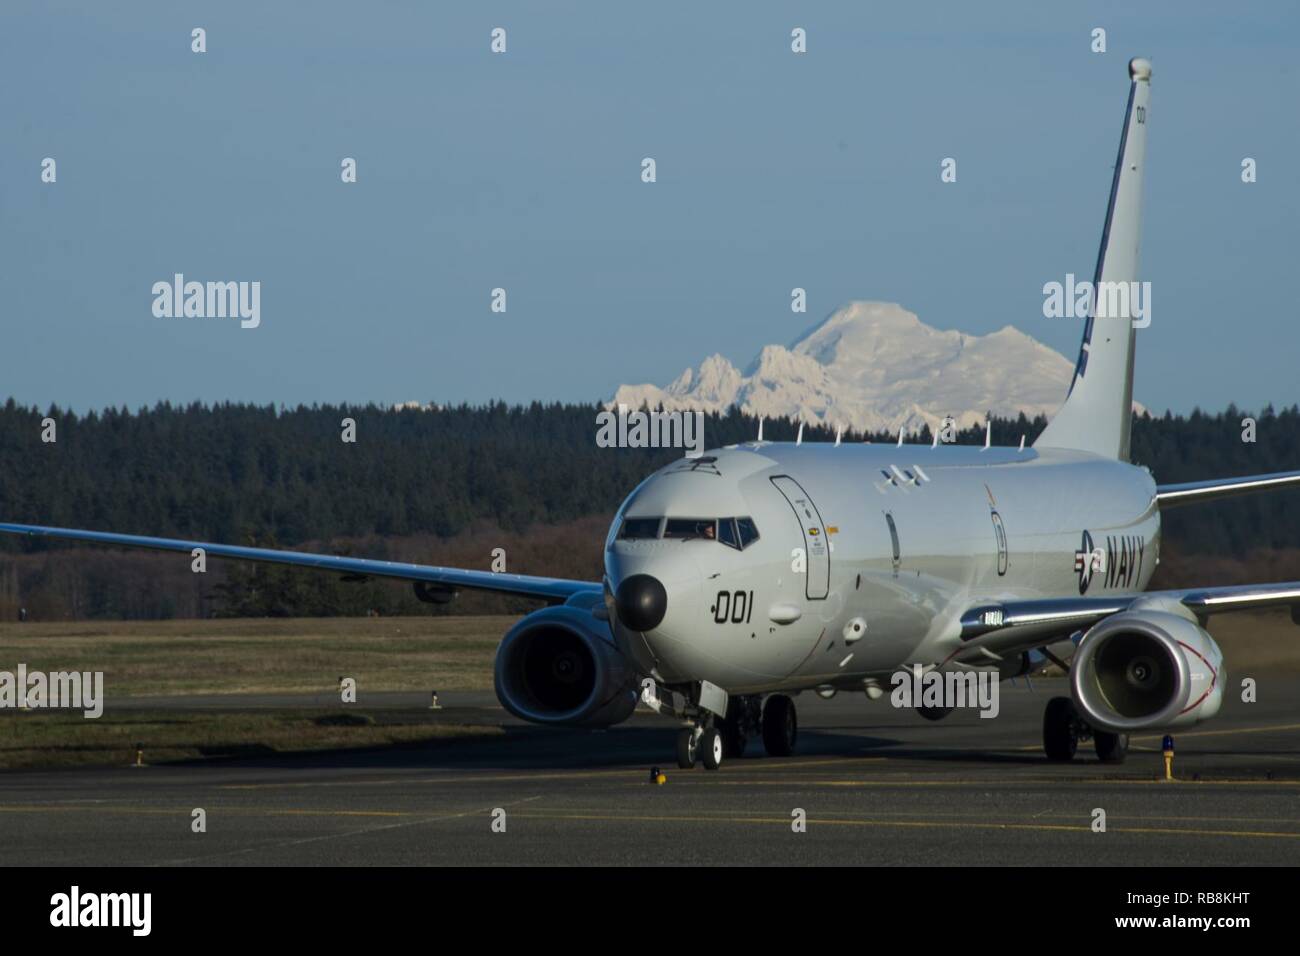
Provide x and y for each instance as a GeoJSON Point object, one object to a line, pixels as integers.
{"type": "Point", "coordinates": [817, 549]}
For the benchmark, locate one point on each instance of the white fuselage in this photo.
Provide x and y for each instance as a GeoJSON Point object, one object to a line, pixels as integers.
{"type": "Point", "coordinates": [775, 615]}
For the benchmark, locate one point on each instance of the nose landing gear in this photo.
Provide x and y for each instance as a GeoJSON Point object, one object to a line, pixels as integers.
{"type": "Point", "coordinates": [711, 738]}
{"type": "Point", "coordinates": [699, 743]}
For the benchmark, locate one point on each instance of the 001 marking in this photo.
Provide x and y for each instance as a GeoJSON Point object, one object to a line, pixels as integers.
{"type": "Point", "coordinates": [737, 606]}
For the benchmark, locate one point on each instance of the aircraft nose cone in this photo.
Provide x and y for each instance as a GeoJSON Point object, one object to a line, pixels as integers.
{"type": "Point", "coordinates": [641, 602]}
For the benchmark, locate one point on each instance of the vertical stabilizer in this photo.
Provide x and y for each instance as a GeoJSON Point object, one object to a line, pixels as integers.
{"type": "Point", "coordinates": [1098, 410]}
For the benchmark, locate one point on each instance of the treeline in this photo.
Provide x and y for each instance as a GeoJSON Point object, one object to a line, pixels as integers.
{"type": "Point", "coordinates": [442, 486]}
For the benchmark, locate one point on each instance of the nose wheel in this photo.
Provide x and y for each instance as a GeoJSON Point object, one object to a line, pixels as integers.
{"type": "Point", "coordinates": [720, 728]}
{"type": "Point", "coordinates": [687, 747]}
{"type": "Point", "coordinates": [704, 744]}
{"type": "Point", "coordinates": [710, 743]}
{"type": "Point", "coordinates": [711, 748]}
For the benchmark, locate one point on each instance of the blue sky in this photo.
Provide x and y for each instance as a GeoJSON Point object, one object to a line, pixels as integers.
{"type": "Point", "coordinates": [522, 170]}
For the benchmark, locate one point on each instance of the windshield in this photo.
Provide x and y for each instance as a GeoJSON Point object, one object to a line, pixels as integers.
{"type": "Point", "coordinates": [738, 533]}
{"type": "Point", "coordinates": [688, 528]}
{"type": "Point", "coordinates": [639, 528]}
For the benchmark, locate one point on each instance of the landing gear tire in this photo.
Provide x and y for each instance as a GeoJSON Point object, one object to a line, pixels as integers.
{"type": "Point", "coordinates": [711, 749]}
{"type": "Point", "coordinates": [686, 748]}
{"type": "Point", "coordinates": [1060, 729]}
{"type": "Point", "coordinates": [1111, 748]}
{"type": "Point", "coordinates": [780, 726]}
{"type": "Point", "coordinates": [934, 713]}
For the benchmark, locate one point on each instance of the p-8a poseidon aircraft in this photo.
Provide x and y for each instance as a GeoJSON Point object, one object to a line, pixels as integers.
{"type": "Point", "coordinates": [738, 578]}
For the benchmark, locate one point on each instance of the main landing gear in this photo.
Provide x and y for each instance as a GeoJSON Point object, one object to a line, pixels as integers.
{"type": "Point", "coordinates": [711, 738]}
{"type": "Point", "coordinates": [780, 726]}
{"type": "Point", "coordinates": [1064, 729]}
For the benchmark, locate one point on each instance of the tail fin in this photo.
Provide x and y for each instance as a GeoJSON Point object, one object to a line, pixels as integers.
{"type": "Point", "coordinates": [1098, 410]}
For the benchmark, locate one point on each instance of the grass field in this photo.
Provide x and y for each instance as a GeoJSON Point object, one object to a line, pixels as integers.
{"type": "Point", "coordinates": [263, 656]}
{"type": "Point", "coordinates": [270, 656]}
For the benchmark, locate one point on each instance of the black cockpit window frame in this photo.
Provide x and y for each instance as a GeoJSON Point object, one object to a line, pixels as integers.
{"type": "Point", "coordinates": [727, 533]}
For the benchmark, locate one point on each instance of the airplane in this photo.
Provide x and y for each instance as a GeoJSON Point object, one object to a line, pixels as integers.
{"type": "Point", "coordinates": [741, 577]}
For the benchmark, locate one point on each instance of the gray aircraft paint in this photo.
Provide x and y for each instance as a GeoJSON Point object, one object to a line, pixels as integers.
{"type": "Point", "coordinates": [1046, 500]}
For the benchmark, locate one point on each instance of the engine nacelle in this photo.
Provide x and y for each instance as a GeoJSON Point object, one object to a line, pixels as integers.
{"type": "Point", "coordinates": [559, 665]}
{"type": "Point", "coordinates": [1147, 670]}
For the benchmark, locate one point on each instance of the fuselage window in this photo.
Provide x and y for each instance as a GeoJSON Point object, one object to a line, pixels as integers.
{"type": "Point", "coordinates": [748, 531]}
{"type": "Point", "coordinates": [639, 528]}
{"type": "Point", "coordinates": [685, 529]}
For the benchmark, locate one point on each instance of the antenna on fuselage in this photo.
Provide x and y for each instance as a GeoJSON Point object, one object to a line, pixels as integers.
{"type": "Point", "coordinates": [798, 439]}
{"type": "Point", "coordinates": [988, 433]}
{"type": "Point", "coordinates": [1022, 442]}
{"type": "Point", "coordinates": [839, 433]}
{"type": "Point", "coordinates": [901, 430]}
{"type": "Point", "coordinates": [934, 442]}
{"type": "Point", "coordinates": [760, 428]}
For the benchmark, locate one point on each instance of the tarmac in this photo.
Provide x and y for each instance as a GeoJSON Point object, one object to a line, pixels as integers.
{"type": "Point", "coordinates": [869, 784]}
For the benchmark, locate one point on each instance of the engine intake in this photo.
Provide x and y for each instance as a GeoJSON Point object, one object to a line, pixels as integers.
{"type": "Point", "coordinates": [559, 665]}
{"type": "Point", "coordinates": [1146, 670]}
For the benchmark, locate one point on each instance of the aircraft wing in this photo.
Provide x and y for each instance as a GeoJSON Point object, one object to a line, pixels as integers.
{"type": "Point", "coordinates": [554, 590]}
{"type": "Point", "coordinates": [991, 630]}
{"type": "Point", "coordinates": [1190, 492]}
{"type": "Point", "coordinates": [1009, 627]}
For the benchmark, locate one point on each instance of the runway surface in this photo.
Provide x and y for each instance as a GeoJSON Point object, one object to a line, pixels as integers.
{"type": "Point", "coordinates": [877, 786]}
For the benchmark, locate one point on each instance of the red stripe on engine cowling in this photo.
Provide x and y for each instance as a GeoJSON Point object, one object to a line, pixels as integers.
{"type": "Point", "coordinates": [1214, 678]}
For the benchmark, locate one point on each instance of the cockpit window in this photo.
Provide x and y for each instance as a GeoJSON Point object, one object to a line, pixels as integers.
{"type": "Point", "coordinates": [685, 529]}
{"type": "Point", "coordinates": [738, 533]}
{"type": "Point", "coordinates": [748, 531]}
{"type": "Point", "coordinates": [639, 528]}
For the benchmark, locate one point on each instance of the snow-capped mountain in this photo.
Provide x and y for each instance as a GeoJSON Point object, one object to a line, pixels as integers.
{"type": "Point", "coordinates": [876, 366]}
